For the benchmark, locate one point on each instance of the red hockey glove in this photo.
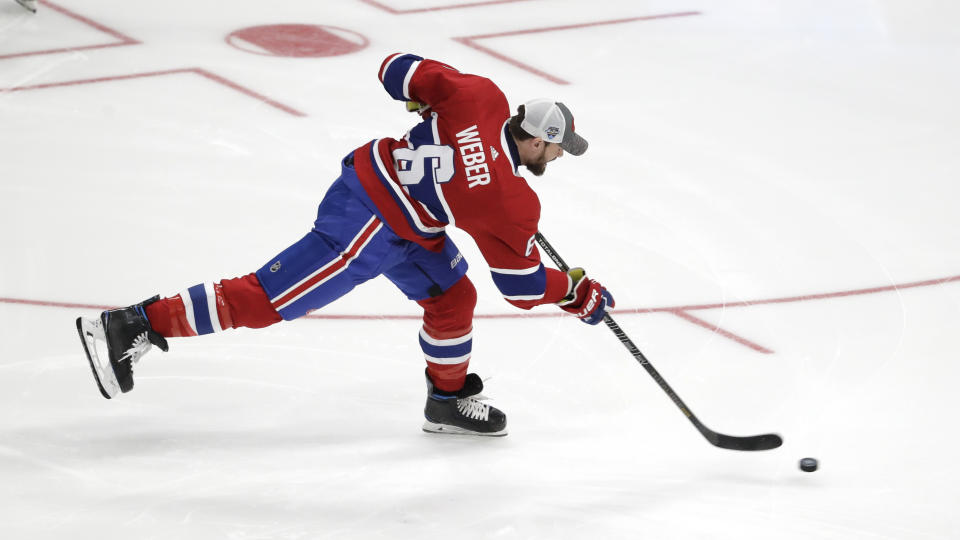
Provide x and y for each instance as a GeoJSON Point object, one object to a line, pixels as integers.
{"type": "Point", "coordinates": [587, 299]}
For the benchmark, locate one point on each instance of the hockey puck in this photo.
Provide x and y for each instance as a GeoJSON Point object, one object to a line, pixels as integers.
{"type": "Point", "coordinates": [808, 464]}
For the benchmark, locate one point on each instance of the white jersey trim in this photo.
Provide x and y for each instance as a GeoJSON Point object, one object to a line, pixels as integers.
{"type": "Point", "coordinates": [188, 309]}
{"type": "Point", "coordinates": [445, 342]}
{"type": "Point", "coordinates": [386, 66]}
{"type": "Point", "coordinates": [518, 272]}
{"type": "Point", "coordinates": [211, 292]}
{"type": "Point", "coordinates": [406, 80]}
{"type": "Point", "coordinates": [505, 148]}
{"type": "Point", "coordinates": [447, 361]}
{"type": "Point", "coordinates": [443, 201]}
{"type": "Point", "coordinates": [525, 297]}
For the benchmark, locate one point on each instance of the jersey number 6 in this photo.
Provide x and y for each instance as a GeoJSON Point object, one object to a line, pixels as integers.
{"type": "Point", "coordinates": [426, 162]}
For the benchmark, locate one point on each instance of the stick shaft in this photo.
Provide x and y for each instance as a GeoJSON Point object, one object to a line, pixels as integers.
{"type": "Point", "coordinates": [757, 442]}
{"type": "Point", "coordinates": [622, 336]}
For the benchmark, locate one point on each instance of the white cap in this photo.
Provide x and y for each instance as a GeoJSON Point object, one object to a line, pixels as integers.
{"type": "Point", "coordinates": [552, 121]}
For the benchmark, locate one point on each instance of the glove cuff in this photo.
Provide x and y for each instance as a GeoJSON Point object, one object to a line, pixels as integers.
{"type": "Point", "coordinates": [574, 279]}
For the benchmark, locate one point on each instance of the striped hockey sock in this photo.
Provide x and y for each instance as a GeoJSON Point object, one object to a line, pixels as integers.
{"type": "Point", "coordinates": [208, 308]}
{"type": "Point", "coordinates": [447, 358]}
{"type": "Point", "coordinates": [447, 334]}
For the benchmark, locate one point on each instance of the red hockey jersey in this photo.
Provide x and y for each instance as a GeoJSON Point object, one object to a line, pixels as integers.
{"type": "Point", "coordinates": [459, 167]}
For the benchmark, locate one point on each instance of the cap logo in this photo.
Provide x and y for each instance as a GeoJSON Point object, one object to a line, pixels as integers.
{"type": "Point", "coordinates": [552, 132]}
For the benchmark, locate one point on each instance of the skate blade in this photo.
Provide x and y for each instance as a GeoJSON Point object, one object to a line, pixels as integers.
{"type": "Point", "coordinates": [90, 331]}
{"type": "Point", "coordinates": [445, 429]}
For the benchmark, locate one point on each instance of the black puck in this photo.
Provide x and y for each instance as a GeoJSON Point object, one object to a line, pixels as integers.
{"type": "Point", "coordinates": [808, 464]}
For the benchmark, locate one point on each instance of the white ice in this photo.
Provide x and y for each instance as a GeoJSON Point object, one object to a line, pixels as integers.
{"type": "Point", "coordinates": [758, 150]}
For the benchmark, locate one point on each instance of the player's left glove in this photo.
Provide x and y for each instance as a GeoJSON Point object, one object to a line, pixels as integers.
{"type": "Point", "coordinates": [587, 299]}
{"type": "Point", "coordinates": [416, 107]}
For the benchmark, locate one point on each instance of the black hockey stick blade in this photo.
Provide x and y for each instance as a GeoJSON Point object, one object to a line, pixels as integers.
{"type": "Point", "coordinates": [757, 442]}
{"type": "Point", "coordinates": [753, 443]}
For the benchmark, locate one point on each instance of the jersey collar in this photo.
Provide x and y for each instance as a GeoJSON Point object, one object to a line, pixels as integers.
{"type": "Point", "coordinates": [510, 147]}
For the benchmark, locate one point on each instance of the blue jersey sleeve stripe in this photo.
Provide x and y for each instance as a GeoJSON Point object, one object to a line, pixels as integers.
{"type": "Point", "coordinates": [397, 74]}
{"type": "Point", "coordinates": [521, 285]}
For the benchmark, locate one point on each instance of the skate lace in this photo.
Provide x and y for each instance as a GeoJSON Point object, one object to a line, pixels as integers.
{"type": "Point", "coordinates": [141, 344]}
{"type": "Point", "coordinates": [473, 408]}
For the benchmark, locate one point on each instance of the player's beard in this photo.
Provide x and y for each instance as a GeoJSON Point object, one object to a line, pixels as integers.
{"type": "Point", "coordinates": [538, 166]}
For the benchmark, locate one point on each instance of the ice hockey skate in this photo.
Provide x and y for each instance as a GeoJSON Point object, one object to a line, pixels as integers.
{"type": "Point", "coordinates": [463, 412]}
{"type": "Point", "coordinates": [30, 5]}
{"type": "Point", "coordinates": [114, 342]}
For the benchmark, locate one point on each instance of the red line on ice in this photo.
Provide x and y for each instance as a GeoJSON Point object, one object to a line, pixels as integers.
{"type": "Point", "coordinates": [396, 11]}
{"type": "Point", "coordinates": [679, 311]}
{"type": "Point", "coordinates": [196, 71]}
{"type": "Point", "coordinates": [123, 39]}
{"type": "Point", "coordinates": [471, 41]}
{"type": "Point", "coordinates": [720, 331]}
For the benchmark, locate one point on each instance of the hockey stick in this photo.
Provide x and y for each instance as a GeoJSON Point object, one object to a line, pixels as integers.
{"type": "Point", "coordinates": [768, 441]}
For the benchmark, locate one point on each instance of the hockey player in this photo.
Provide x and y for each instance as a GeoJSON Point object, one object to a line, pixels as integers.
{"type": "Point", "coordinates": [386, 215]}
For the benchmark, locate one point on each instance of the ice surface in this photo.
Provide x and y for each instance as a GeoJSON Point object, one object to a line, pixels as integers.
{"type": "Point", "coordinates": [752, 152]}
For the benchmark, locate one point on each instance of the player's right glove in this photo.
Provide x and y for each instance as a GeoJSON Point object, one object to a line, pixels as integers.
{"type": "Point", "coordinates": [587, 299]}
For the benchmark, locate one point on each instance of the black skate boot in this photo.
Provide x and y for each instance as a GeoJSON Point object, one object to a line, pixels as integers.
{"type": "Point", "coordinates": [462, 412]}
{"type": "Point", "coordinates": [127, 334]}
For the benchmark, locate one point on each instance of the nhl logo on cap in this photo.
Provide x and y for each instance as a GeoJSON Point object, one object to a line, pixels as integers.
{"type": "Point", "coordinates": [552, 132]}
